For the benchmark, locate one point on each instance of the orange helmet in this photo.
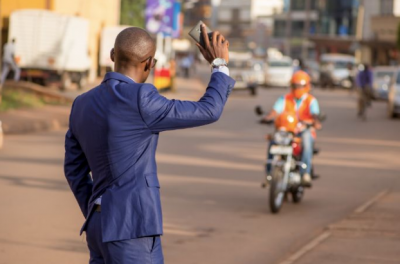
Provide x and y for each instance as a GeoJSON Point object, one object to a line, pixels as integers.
{"type": "Point", "coordinates": [286, 121]}
{"type": "Point", "coordinates": [300, 84]}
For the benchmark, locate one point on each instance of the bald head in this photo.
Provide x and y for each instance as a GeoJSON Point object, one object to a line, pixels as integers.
{"type": "Point", "coordinates": [133, 45]}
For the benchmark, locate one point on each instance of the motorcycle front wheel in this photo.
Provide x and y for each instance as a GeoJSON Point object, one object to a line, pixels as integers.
{"type": "Point", "coordinates": [276, 191]}
{"type": "Point", "coordinates": [297, 194]}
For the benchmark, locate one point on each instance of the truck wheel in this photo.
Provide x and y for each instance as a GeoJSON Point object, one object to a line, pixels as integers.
{"type": "Point", "coordinates": [253, 91]}
{"type": "Point", "coordinates": [83, 81]}
{"type": "Point", "coordinates": [66, 81]}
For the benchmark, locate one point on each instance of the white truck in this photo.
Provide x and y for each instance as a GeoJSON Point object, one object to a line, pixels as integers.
{"type": "Point", "coordinates": [51, 48]}
{"type": "Point", "coordinates": [107, 40]}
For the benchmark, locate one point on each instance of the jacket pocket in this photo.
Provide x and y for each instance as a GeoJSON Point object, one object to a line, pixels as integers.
{"type": "Point", "coordinates": [152, 180]}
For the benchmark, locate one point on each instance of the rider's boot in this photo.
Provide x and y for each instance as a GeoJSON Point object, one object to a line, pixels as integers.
{"type": "Point", "coordinates": [306, 180]}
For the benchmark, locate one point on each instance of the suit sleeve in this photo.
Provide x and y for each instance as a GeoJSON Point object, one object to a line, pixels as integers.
{"type": "Point", "coordinates": [161, 114]}
{"type": "Point", "coordinates": [76, 169]}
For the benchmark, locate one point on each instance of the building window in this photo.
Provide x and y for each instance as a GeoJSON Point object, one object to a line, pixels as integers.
{"type": "Point", "coordinates": [297, 28]}
{"type": "Point", "coordinates": [387, 7]}
{"type": "Point", "coordinates": [298, 5]}
{"type": "Point", "coordinates": [279, 28]}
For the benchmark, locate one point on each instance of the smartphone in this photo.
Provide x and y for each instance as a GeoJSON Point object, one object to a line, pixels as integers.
{"type": "Point", "coordinates": [197, 35]}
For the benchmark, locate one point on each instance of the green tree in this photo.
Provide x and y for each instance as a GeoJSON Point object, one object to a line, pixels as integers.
{"type": "Point", "coordinates": [398, 36]}
{"type": "Point", "coordinates": [133, 13]}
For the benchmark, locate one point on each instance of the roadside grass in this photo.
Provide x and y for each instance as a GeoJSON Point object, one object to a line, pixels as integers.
{"type": "Point", "coordinates": [17, 99]}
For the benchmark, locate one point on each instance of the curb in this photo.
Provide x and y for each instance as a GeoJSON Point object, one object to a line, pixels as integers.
{"type": "Point", "coordinates": [45, 93]}
{"type": "Point", "coordinates": [32, 127]}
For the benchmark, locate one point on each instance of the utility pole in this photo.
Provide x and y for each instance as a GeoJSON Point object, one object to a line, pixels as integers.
{"type": "Point", "coordinates": [288, 28]}
{"type": "Point", "coordinates": [306, 31]}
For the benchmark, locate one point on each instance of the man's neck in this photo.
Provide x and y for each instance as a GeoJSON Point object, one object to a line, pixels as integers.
{"type": "Point", "coordinates": [131, 73]}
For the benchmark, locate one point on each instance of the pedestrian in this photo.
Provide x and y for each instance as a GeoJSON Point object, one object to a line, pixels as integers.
{"type": "Point", "coordinates": [186, 64]}
{"type": "Point", "coordinates": [364, 83]}
{"type": "Point", "coordinates": [111, 143]}
{"type": "Point", "coordinates": [9, 62]}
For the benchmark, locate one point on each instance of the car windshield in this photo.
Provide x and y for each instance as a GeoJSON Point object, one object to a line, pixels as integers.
{"type": "Point", "coordinates": [279, 64]}
{"type": "Point", "coordinates": [383, 74]}
{"type": "Point", "coordinates": [337, 64]}
{"type": "Point", "coordinates": [239, 64]}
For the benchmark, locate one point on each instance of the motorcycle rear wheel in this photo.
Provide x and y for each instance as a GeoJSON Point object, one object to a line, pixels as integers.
{"type": "Point", "coordinates": [276, 192]}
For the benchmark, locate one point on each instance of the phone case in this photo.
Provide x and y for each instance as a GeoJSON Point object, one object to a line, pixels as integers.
{"type": "Point", "coordinates": [196, 34]}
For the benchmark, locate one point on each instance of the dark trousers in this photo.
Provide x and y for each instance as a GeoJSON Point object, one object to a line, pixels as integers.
{"type": "Point", "coordinates": [144, 250]}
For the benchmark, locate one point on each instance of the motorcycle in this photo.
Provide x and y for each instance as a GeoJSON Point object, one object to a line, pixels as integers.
{"type": "Point", "coordinates": [285, 177]}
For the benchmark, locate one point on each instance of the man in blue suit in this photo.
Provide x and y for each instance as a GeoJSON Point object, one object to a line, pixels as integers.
{"type": "Point", "coordinates": [111, 143]}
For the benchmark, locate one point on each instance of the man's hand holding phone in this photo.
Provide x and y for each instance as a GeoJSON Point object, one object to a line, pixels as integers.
{"type": "Point", "coordinates": [218, 47]}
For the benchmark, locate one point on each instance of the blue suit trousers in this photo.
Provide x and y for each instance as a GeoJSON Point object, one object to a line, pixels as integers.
{"type": "Point", "coordinates": [144, 250]}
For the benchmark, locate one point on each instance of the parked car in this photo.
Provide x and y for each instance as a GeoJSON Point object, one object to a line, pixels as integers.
{"type": "Point", "coordinates": [334, 70]}
{"type": "Point", "coordinates": [383, 78]}
{"type": "Point", "coordinates": [394, 97]}
{"type": "Point", "coordinates": [279, 71]}
{"type": "Point", "coordinates": [258, 71]}
{"type": "Point", "coordinates": [242, 69]}
{"type": "Point", "coordinates": [313, 70]}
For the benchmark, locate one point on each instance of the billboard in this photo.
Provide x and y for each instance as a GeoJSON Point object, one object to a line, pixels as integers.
{"type": "Point", "coordinates": [160, 16]}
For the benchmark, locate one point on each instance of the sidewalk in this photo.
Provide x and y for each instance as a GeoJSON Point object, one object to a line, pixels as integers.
{"type": "Point", "coordinates": [52, 117]}
{"type": "Point", "coordinates": [371, 235]}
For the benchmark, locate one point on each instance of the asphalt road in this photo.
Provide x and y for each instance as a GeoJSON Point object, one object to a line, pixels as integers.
{"type": "Point", "coordinates": [214, 209]}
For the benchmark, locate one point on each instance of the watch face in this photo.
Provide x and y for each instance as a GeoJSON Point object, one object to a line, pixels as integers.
{"type": "Point", "coordinates": [219, 62]}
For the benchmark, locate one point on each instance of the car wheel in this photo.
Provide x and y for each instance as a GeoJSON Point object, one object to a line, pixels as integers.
{"type": "Point", "coordinates": [391, 113]}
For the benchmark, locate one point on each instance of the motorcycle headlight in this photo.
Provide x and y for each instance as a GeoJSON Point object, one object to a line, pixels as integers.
{"type": "Point", "coordinates": [283, 138]}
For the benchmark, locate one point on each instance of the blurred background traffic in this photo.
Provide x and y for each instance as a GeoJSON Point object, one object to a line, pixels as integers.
{"type": "Point", "coordinates": [214, 208]}
{"type": "Point", "coordinates": [66, 44]}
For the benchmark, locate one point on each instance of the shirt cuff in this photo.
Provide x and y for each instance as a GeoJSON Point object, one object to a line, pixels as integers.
{"type": "Point", "coordinates": [222, 69]}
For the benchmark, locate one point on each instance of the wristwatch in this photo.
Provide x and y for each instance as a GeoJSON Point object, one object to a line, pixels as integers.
{"type": "Point", "coordinates": [218, 62]}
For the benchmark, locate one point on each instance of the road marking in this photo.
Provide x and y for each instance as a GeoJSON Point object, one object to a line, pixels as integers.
{"type": "Point", "coordinates": [190, 179]}
{"type": "Point", "coordinates": [357, 141]}
{"type": "Point", "coordinates": [325, 235]}
{"type": "Point", "coordinates": [213, 163]}
{"type": "Point", "coordinates": [370, 202]}
{"type": "Point", "coordinates": [308, 247]}
{"type": "Point", "coordinates": [170, 231]}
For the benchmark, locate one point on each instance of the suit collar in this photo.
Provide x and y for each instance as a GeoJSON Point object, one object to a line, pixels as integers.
{"type": "Point", "coordinates": [118, 76]}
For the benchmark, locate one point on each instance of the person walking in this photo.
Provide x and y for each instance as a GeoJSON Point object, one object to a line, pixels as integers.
{"type": "Point", "coordinates": [111, 143]}
{"type": "Point", "coordinates": [9, 62]}
{"type": "Point", "coordinates": [364, 83]}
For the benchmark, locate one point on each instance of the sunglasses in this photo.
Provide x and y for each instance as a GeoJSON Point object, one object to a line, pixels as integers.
{"type": "Point", "coordinates": [152, 63]}
{"type": "Point", "coordinates": [298, 85]}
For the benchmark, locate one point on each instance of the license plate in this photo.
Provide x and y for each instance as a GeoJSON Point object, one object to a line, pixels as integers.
{"type": "Point", "coordinates": [281, 150]}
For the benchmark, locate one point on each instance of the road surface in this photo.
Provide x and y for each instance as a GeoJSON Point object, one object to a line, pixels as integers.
{"type": "Point", "coordinates": [214, 209]}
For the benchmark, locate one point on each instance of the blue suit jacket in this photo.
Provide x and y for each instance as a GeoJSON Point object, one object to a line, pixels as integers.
{"type": "Point", "coordinates": [111, 143]}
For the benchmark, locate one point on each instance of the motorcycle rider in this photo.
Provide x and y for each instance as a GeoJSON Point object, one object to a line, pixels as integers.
{"type": "Point", "coordinates": [300, 102]}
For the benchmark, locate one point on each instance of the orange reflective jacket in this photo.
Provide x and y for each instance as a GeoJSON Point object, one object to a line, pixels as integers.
{"type": "Point", "coordinates": [303, 111]}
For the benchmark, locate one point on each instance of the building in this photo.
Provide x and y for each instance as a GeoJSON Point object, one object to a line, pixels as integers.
{"type": "Point", "coordinates": [292, 27]}
{"type": "Point", "coordinates": [345, 24]}
{"type": "Point", "coordinates": [99, 16]}
{"type": "Point", "coordinates": [196, 11]}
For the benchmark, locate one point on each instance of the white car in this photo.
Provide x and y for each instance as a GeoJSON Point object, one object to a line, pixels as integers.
{"type": "Point", "coordinates": [278, 72]}
{"type": "Point", "coordinates": [335, 70]}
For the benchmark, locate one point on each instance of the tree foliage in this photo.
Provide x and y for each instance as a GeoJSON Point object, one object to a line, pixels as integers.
{"type": "Point", "coordinates": [398, 36]}
{"type": "Point", "coordinates": [133, 13]}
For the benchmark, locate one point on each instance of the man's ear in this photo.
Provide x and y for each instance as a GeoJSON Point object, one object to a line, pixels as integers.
{"type": "Point", "coordinates": [147, 67]}
{"type": "Point", "coordinates": [112, 54]}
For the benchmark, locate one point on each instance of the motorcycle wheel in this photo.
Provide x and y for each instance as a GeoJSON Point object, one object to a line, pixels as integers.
{"type": "Point", "coordinates": [297, 194]}
{"type": "Point", "coordinates": [276, 193]}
